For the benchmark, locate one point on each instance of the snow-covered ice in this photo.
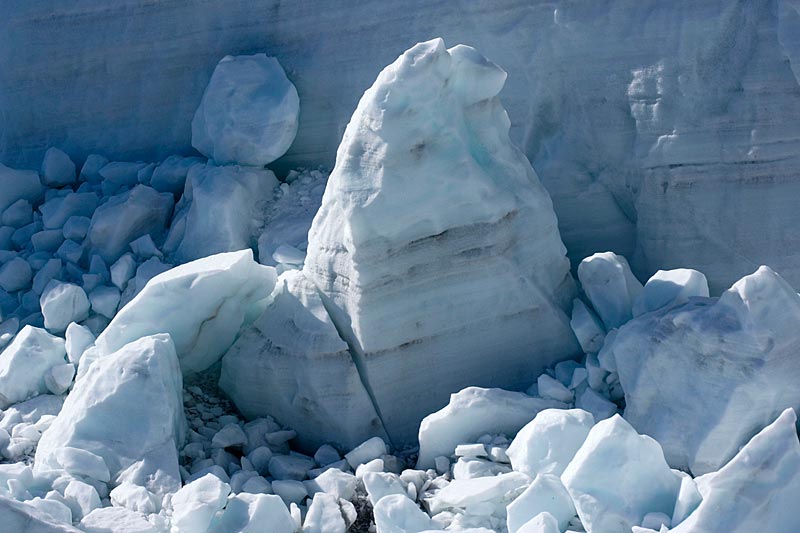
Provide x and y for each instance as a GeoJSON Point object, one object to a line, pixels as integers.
{"type": "Point", "coordinates": [249, 112]}
{"type": "Point", "coordinates": [63, 304]}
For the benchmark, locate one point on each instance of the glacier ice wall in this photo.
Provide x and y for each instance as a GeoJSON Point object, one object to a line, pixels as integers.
{"type": "Point", "coordinates": [660, 129]}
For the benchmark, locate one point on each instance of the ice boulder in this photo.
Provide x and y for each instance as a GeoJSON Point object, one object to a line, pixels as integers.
{"type": "Point", "coordinates": [202, 305]}
{"type": "Point", "coordinates": [398, 514]}
{"type": "Point", "coordinates": [126, 217]}
{"type": "Point", "coordinates": [619, 476]}
{"type": "Point", "coordinates": [116, 519]}
{"type": "Point", "coordinates": [25, 362]}
{"type": "Point", "coordinates": [195, 504]}
{"type": "Point", "coordinates": [436, 246]}
{"type": "Point", "coordinates": [548, 443]}
{"type": "Point", "coordinates": [170, 175]}
{"type": "Point", "coordinates": [21, 517]}
{"type": "Point", "coordinates": [18, 185]}
{"type": "Point", "coordinates": [15, 275]}
{"type": "Point", "coordinates": [461, 493]}
{"type": "Point", "coordinates": [704, 377]}
{"type": "Point", "coordinates": [757, 490]}
{"type": "Point", "coordinates": [251, 513]}
{"type": "Point", "coordinates": [222, 210]}
{"type": "Point", "coordinates": [546, 494]}
{"type": "Point", "coordinates": [58, 169]}
{"type": "Point", "coordinates": [292, 364]}
{"type": "Point", "coordinates": [611, 287]}
{"type": "Point", "coordinates": [670, 287]}
{"type": "Point", "coordinates": [471, 413]}
{"type": "Point", "coordinates": [63, 304]}
{"type": "Point", "coordinates": [125, 419]}
{"type": "Point", "coordinates": [249, 112]}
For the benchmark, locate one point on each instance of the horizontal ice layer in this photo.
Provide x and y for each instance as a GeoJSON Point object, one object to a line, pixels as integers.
{"type": "Point", "coordinates": [248, 113]}
{"type": "Point", "coordinates": [704, 377]}
{"type": "Point", "coordinates": [123, 421]}
{"type": "Point", "coordinates": [222, 210]}
{"type": "Point", "coordinates": [436, 246]}
{"type": "Point", "coordinates": [202, 305]}
{"type": "Point", "coordinates": [291, 364]}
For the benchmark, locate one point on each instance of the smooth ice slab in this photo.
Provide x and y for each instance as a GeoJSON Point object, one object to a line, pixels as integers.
{"type": "Point", "coordinates": [292, 364]}
{"type": "Point", "coordinates": [125, 413]}
{"type": "Point", "coordinates": [436, 246]}
{"type": "Point", "coordinates": [670, 287]}
{"type": "Point", "coordinates": [248, 114]}
{"type": "Point", "coordinates": [202, 305]}
{"type": "Point", "coordinates": [617, 477]}
{"type": "Point", "coordinates": [704, 377]}
{"type": "Point", "coordinates": [471, 413]}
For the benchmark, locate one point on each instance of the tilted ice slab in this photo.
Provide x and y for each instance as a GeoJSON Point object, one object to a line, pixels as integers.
{"type": "Point", "coordinates": [436, 248]}
{"type": "Point", "coordinates": [123, 421]}
{"type": "Point", "coordinates": [202, 305]}
{"type": "Point", "coordinates": [757, 490]}
{"type": "Point", "coordinates": [292, 364]}
{"type": "Point", "coordinates": [704, 377]}
{"type": "Point", "coordinates": [221, 210]}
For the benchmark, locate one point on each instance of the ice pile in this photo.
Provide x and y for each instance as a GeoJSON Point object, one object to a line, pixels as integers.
{"type": "Point", "coordinates": [435, 246]}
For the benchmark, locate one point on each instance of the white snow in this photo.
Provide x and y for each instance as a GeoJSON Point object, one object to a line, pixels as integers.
{"type": "Point", "coordinates": [227, 291]}
{"type": "Point", "coordinates": [141, 385]}
{"type": "Point", "coordinates": [618, 476]}
{"type": "Point", "coordinates": [249, 112]}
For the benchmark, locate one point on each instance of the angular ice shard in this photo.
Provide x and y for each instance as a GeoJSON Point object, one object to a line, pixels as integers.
{"type": "Point", "coordinates": [202, 305]}
{"type": "Point", "coordinates": [126, 412]}
{"type": "Point", "coordinates": [610, 286]}
{"type": "Point", "coordinates": [704, 377]}
{"type": "Point", "coordinates": [221, 210]}
{"type": "Point", "coordinates": [248, 114]}
{"type": "Point", "coordinates": [757, 490]}
{"type": "Point", "coordinates": [546, 494]}
{"type": "Point", "coordinates": [436, 247]}
{"type": "Point", "coordinates": [617, 477]}
{"type": "Point", "coordinates": [292, 364]}
{"type": "Point", "coordinates": [25, 362]}
{"type": "Point", "coordinates": [473, 412]}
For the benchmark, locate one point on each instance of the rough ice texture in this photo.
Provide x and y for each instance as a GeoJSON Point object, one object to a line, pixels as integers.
{"type": "Point", "coordinates": [628, 142]}
{"type": "Point", "coordinates": [222, 210]}
{"type": "Point", "coordinates": [24, 518]}
{"type": "Point", "coordinates": [127, 410]}
{"type": "Point", "coordinates": [758, 490]}
{"type": "Point", "coordinates": [202, 305]}
{"type": "Point", "coordinates": [292, 364]}
{"type": "Point", "coordinates": [248, 113]}
{"type": "Point", "coordinates": [24, 363]}
{"type": "Point", "coordinates": [704, 377]}
{"type": "Point", "coordinates": [471, 413]}
{"type": "Point", "coordinates": [436, 246]}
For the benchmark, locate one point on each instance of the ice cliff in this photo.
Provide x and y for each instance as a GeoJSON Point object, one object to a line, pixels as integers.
{"type": "Point", "coordinates": [659, 128]}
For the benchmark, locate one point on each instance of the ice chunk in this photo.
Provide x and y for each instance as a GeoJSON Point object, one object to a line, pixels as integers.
{"type": "Point", "coordinates": [758, 489]}
{"type": "Point", "coordinates": [324, 516]}
{"type": "Point", "coordinates": [610, 286]}
{"type": "Point", "coordinates": [170, 175]}
{"type": "Point", "coordinates": [587, 327]}
{"type": "Point", "coordinates": [250, 513]}
{"type": "Point", "coordinates": [548, 443]}
{"type": "Point", "coordinates": [552, 389]}
{"type": "Point", "coordinates": [127, 216]}
{"type": "Point", "coordinates": [471, 413]}
{"type": "Point", "coordinates": [290, 467]}
{"type": "Point", "coordinates": [541, 523]}
{"type": "Point", "coordinates": [704, 377]}
{"type": "Point", "coordinates": [335, 482]}
{"type": "Point", "coordinates": [15, 275]}
{"type": "Point", "coordinates": [545, 494]}
{"type": "Point", "coordinates": [82, 498]}
{"type": "Point", "coordinates": [62, 304]}
{"type": "Point", "coordinates": [76, 227]}
{"type": "Point", "coordinates": [443, 191]}
{"type": "Point", "coordinates": [287, 254]}
{"type": "Point", "coordinates": [18, 185]}
{"type": "Point", "coordinates": [366, 451]}
{"type": "Point", "coordinates": [18, 214]}
{"type": "Point", "coordinates": [116, 519]}
{"type": "Point", "coordinates": [398, 514]}
{"type": "Point", "coordinates": [229, 435]}
{"type": "Point", "coordinates": [57, 168]}
{"type": "Point", "coordinates": [670, 287]}
{"type": "Point", "coordinates": [57, 211]}
{"type": "Point", "coordinates": [380, 484]}
{"type": "Point", "coordinates": [104, 300]}
{"type": "Point", "coordinates": [135, 498]}
{"type": "Point", "coordinates": [292, 364]}
{"type": "Point", "coordinates": [688, 500]}
{"type": "Point", "coordinates": [79, 338]}
{"type": "Point", "coordinates": [618, 476]}
{"type": "Point", "coordinates": [593, 402]}
{"type": "Point", "coordinates": [59, 378]}
{"type": "Point", "coordinates": [202, 305]}
{"type": "Point", "coordinates": [127, 409]}
{"type": "Point", "coordinates": [249, 112]}
{"type": "Point", "coordinates": [290, 490]}
{"type": "Point", "coordinates": [55, 508]}
{"type": "Point", "coordinates": [461, 493]}
{"type": "Point", "coordinates": [25, 362]}
{"type": "Point", "coordinates": [121, 173]}
{"type": "Point", "coordinates": [24, 518]}
{"type": "Point", "coordinates": [122, 271]}
{"type": "Point", "coordinates": [222, 210]}
{"type": "Point", "coordinates": [195, 504]}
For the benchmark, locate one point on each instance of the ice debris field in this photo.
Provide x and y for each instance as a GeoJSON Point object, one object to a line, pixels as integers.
{"type": "Point", "coordinates": [397, 346]}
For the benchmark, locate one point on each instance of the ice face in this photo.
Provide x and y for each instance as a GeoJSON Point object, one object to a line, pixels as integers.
{"type": "Point", "coordinates": [427, 184]}
{"type": "Point", "coordinates": [248, 114]}
{"type": "Point", "coordinates": [703, 377]}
